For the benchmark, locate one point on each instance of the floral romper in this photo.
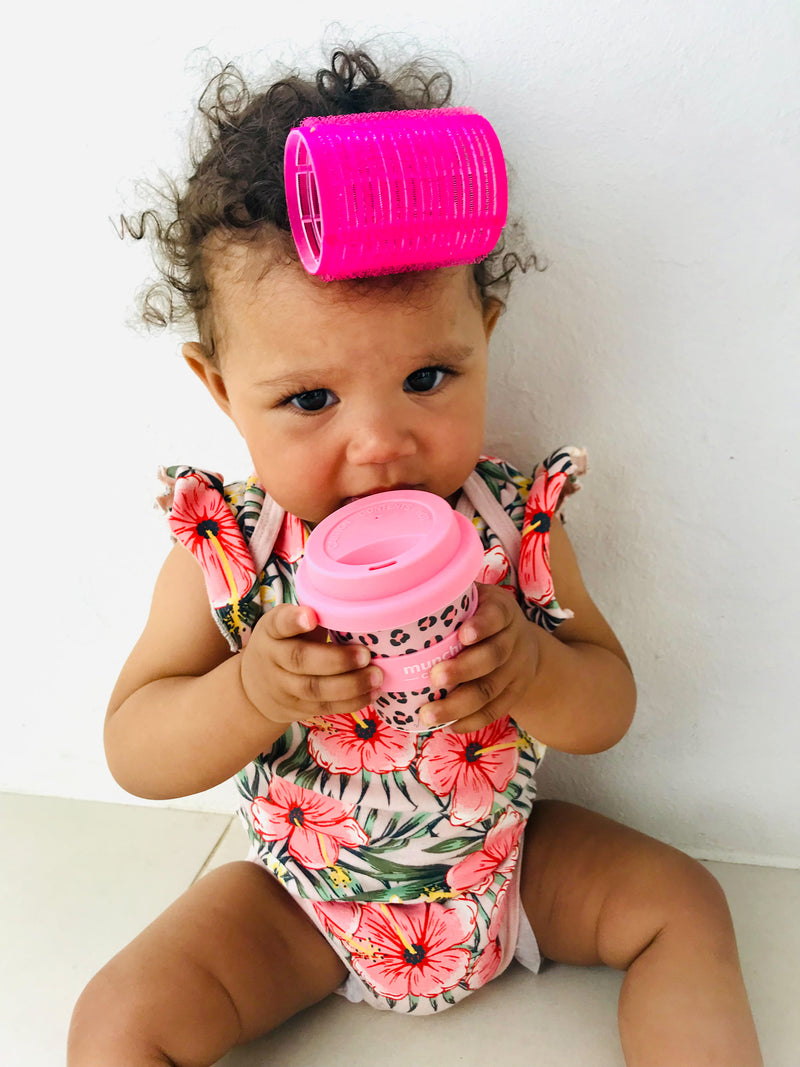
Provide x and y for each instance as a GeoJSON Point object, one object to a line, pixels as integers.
{"type": "Point", "coordinates": [402, 848]}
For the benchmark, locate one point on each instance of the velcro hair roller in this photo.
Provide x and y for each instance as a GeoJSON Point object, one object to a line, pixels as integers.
{"type": "Point", "coordinates": [391, 191]}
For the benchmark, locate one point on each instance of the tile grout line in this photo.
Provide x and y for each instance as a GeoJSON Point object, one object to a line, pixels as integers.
{"type": "Point", "coordinates": [214, 850]}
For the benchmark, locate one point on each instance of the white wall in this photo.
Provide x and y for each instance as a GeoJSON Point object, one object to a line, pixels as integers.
{"type": "Point", "coordinates": [656, 154]}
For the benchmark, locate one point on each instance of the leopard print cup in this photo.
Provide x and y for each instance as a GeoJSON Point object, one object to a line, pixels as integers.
{"type": "Point", "coordinates": [400, 708]}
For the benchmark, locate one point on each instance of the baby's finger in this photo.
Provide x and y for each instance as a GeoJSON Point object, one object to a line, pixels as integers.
{"type": "Point", "coordinates": [337, 693]}
{"type": "Point", "coordinates": [289, 620]}
{"type": "Point", "coordinates": [474, 662]}
{"type": "Point", "coordinates": [302, 647]}
{"type": "Point", "coordinates": [488, 714]}
{"type": "Point", "coordinates": [304, 656]}
{"type": "Point", "coordinates": [494, 613]}
{"type": "Point", "coordinates": [471, 706]}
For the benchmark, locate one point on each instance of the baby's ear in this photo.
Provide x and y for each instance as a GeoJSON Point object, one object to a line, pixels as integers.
{"type": "Point", "coordinates": [200, 362]}
{"type": "Point", "coordinates": [491, 313]}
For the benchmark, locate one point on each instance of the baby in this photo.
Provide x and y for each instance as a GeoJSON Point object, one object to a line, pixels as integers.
{"type": "Point", "coordinates": [403, 869]}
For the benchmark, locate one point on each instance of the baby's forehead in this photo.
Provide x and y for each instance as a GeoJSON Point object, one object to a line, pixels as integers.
{"type": "Point", "coordinates": [266, 268]}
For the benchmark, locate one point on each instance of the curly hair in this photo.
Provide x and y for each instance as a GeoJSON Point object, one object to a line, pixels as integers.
{"type": "Point", "coordinates": [236, 188]}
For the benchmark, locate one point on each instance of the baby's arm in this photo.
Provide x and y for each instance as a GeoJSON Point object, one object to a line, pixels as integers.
{"type": "Point", "coordinates": [186, 714]}
{"type": "Point", "coordinates": [572, 690]}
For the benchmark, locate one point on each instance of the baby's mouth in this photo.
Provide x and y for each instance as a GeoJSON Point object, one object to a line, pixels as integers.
{"type": "Point", "coordinates": [380, 489]}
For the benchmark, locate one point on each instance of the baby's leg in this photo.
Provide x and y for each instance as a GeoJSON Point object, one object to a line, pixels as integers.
{"type": "Point", "coordinates": [229, 961]}
{"type": "Point", "coordinates": [597, 892]}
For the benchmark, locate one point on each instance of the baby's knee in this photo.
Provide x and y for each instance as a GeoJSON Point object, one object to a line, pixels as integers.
{"type": "Point", "coordinates": [689, 903]}
{"type": "Point", "coordinates": [107, 1018]}
{"type": "Point", "coordinates": [663, 896]}
{"type": "Point", "coordinates": [694, 889]}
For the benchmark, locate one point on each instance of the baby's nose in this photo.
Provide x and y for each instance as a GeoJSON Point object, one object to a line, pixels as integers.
{"type": "Point", "coordinates": [379, 440]}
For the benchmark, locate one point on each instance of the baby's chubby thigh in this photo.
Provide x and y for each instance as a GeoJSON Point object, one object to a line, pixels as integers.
{"type": "Point", "coordinates": [229, 961]}
{"type": "Point", "coordinates": [596, 891]}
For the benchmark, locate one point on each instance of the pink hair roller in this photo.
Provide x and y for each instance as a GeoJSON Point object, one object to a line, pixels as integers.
{"type": "Point", "coordinates": [391, 191]}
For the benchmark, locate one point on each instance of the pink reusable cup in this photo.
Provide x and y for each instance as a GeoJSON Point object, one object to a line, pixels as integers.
{"type": "Point", "coordinates": [395, 572]}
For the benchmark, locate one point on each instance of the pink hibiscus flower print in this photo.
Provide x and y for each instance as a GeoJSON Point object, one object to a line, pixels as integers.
{"type": "Point", "coordinates": [498, 855]}
{"type": "Point", "coordinates": [314, 826]}
{"type": "Point", "coordinates": [534, 560]}
{"type": "Point", "coordinates": [470, 767]}
{"type": "Point", "coordinates": [497, 919]}
{"type": "Point", "coordinates": [488, 963]}
{"type": "Point", "coordinates": [348, 744]}
{"type": "Point", "coordinates": [418, 948]}
{"type": "Point", "coordinates": [202, 521]}
{"type": "Point", "coordinates": [496, 566]}
{"type": "Point", "coordinates": [486, 966]}
{"type": "Point", "coordinates": [290, 544]}
{"type": "Point", "coordinates": [341, 918]}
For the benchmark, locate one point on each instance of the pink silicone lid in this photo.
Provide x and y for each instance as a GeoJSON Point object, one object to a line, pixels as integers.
{"type": "Point", "coordinates": [387, 560]}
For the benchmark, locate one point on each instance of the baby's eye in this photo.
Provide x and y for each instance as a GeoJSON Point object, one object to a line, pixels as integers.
{"type": "Point", "coordinates": [424, 380]}
{"type": "Point", "coordinates": [313, 400]}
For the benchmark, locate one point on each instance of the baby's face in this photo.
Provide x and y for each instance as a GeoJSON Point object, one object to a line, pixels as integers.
{"type": "Point", "coordinates": [340, 394]}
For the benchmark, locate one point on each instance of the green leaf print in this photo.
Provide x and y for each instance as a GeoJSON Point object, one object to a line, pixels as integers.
{"type": "Point", "coordinates": [389, 831]}
{"type": "Point", "coordinates": [299, 760]}
{"type": "Point", "coordinates": [255, 840]}
{"type": "Point", "coordinates": [398, 778]}
{"type": "Point", "coordinates": [370, 822]}
{"type": "Point", "coordinates": [393, 838]}
{"type": "Point", "coordinates": [281, 746]}
{"type": "Point", "coordinates": [454, 844]}
{"type": "Point", "coordinates": [366, 778]}
{"type": "Point", "coordinates": [329, 885]}
{"type": "Point", "coordinates": [310, 778]}
{"type": "Point", "coordinates": [426, 830]}
{"type": "Point", "coordinates": [425, 883]}
{"type": "Point", "coordinates": [493, 475]}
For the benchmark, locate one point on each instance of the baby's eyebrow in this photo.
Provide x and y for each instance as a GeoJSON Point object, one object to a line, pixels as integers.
{"type": "Point", "coordinates": [453, 354]}
{"type": "Point", "coordinates": [448, 354]}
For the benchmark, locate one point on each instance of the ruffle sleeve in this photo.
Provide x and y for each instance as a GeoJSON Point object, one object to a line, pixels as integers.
{"type": "Point", "coordinates": [520, 511]}
{"type": "Point", "coordinates": [552, 481]}
{"type": "Point", "coordinates": [203, 518]}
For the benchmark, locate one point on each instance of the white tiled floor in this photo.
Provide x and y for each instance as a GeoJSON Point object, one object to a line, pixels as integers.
{"type": "Point", "coordinates": [81, 879]}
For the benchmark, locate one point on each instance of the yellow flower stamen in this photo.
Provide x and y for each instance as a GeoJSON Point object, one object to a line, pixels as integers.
{"type": "Point", "coordinates": [362, 948]}
{"type": "Point", "coordinates": [430, 894]}
{"type": "Point", "coordinates": [237, 621]}
{"type": "Point", "coordinates": [397, 929]}
{"type": "Point", "coordinates": [519, 743]}
{"type": "Point", "coordinates": [533, 526]}
{"type": "Point", "coordinates": [322, 849]}
{"type": "Point", "coordinates": [339, 875]}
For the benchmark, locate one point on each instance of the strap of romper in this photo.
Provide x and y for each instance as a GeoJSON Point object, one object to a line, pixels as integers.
{"type": "Point", "coordinates": [478, 493]}
{"type": "Point", "coordinates": [265, 532]}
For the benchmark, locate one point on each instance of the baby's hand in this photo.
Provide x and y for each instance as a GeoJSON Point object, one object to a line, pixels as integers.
{"type": "Point", "coordinates": [290, 673]}
{"type": "Point", "coordinates": [495, 669]}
